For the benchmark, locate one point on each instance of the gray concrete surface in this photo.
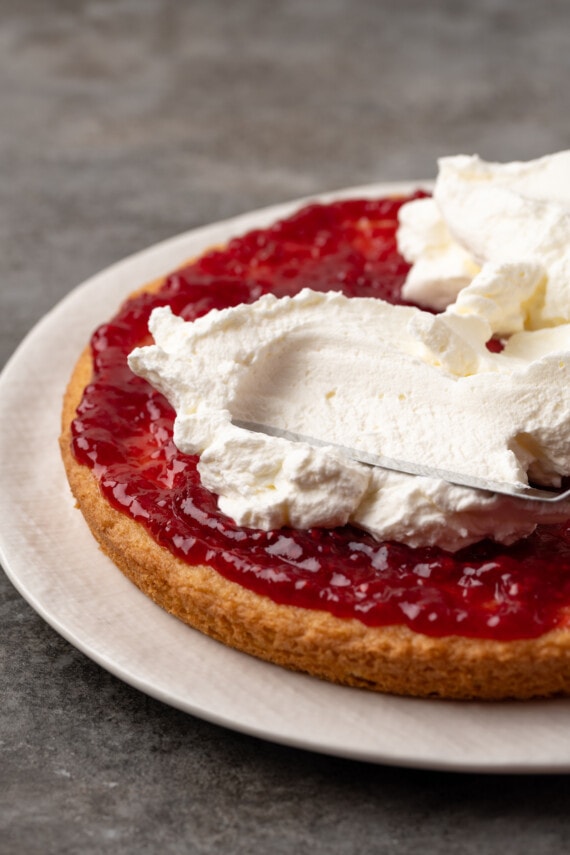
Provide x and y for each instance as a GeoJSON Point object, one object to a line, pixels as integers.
{"type": "Point", "coordinates": [125, 122]}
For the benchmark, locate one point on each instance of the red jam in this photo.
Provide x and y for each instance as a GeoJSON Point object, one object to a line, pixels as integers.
{"type": "Point", "coordinates": [123, 431]}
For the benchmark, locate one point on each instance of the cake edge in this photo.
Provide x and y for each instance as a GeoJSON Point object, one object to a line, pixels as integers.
{"type": "Point", "coordinates": [390, 659]}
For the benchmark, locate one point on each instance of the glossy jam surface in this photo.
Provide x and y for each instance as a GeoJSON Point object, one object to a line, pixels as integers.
{"type": "Point", "coordinates": [123, 431]}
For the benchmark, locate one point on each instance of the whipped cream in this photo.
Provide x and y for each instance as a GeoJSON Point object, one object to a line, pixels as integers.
{"type": "Point", "coordinates": [492, 213]}
{"type": "Point", "coordinates": [387, 379]}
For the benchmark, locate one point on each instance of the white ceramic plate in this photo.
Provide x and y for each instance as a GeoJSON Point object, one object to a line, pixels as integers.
{"type": "Point", "coordinates": [52, 559]}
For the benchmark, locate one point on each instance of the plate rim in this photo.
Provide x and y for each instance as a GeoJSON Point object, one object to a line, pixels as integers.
{"type": "Point", "coordinates": [127, 271]}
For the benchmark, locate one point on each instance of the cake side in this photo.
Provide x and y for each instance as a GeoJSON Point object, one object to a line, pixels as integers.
{"type": "Point", "coordinates": [390, 659]}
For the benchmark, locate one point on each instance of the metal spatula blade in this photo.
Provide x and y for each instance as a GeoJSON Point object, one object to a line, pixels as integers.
{"type": "Point", "coordinates": [522, 491]}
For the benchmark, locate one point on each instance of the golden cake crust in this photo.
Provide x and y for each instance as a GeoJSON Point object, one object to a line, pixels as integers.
{"type": "Point", "coordinates": [390, 659]}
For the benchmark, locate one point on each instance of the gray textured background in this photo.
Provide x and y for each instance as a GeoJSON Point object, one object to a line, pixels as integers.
{"type": "Point", "coordinates": [122, 123]}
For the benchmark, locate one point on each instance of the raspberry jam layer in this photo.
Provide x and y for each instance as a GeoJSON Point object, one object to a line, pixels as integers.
{"type": "Point", "coordinates": [123, 431]}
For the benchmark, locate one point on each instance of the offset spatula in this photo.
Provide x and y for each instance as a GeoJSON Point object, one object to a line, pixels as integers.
{"type": "Point", "coordinates": [528, 492]}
